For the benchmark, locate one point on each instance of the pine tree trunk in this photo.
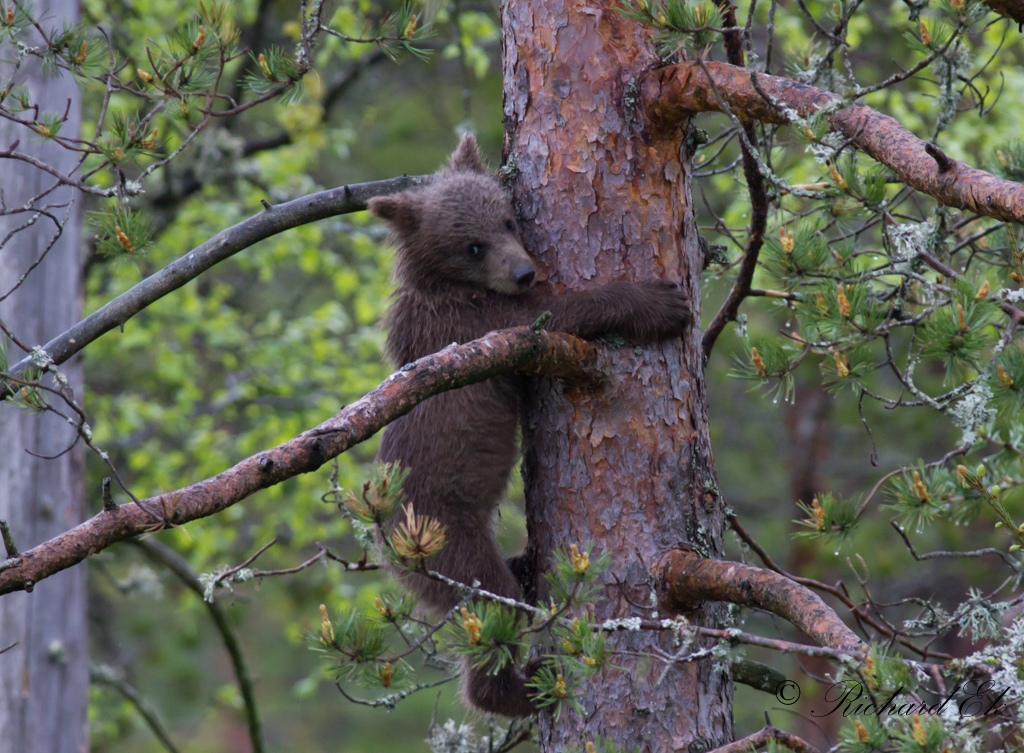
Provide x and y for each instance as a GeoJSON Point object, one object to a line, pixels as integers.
{"type": "Point", "coordinates": [44, 679]}
{"type": "Point", "coordinates": [628, 466]}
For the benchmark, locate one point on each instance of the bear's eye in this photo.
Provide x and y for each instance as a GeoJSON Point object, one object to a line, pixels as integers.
{"type": "Point", "coordinates": [475, 250]}
{"type": "Point", "coordinates": [510, 225]}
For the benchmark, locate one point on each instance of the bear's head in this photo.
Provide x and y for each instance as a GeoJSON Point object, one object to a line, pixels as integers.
{"type": "Point", "coordinates": [459, 230]}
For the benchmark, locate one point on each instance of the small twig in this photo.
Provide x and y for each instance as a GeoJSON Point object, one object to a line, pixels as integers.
{"type": "Point", "coordinates": [228, 573]}
{"type": "Point", "coordinates": [875, 488]}
{"type": "Point", "coordinates": [427, 635]}
{"type": "Point", "coordinates": [360, 566]}
{"type": "Point", "coordinates": [289, 570]}
{"type": "Point", "coordinates": [944, 162]}
{"type": "Point", "coordinates": [775, 294]}
{"type": "Point", "coordinates": [542, 320]}
{"type": "Point", "coordinates": [1015, 313]}
{"type": "Point", "coordinates": [975, 553]}
{"type": "Point", "coordinates": [390, 700]}
{"type": "Point", "coordinates": [5, 531]}
{"type": "Point", "coordinates": [107, 676]}
{"type": "Point", "coordinates": [5, 649]}
{"type": "Point", "coordinates": [109, 505]}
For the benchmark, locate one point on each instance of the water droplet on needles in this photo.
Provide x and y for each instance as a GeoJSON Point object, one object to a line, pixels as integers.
{"type": "Point", "coordinates": [835, 553]}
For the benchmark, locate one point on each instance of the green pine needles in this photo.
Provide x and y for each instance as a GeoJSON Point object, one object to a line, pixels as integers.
{"type": "Point", "coordinates": [373, 645]}
{"type": "Point", "coordinates": [680, 25]}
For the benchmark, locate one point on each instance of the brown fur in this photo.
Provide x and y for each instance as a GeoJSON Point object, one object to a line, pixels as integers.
{"type": "Point", "coordinates": [460, 446]}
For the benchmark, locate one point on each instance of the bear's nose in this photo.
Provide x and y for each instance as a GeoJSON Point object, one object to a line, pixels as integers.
{"type": "Point", "coordinates": [524, 275]}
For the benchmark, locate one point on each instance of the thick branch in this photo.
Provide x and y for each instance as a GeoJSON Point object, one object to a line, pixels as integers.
{"type": "Point", "coordinates": [513, 350]}
{"type": "Point", "coordinates": [685, 580]}
{"type": "Point", "coordinates": [674, 93]}
{"type": "Point", "coordinates": [225, 244]}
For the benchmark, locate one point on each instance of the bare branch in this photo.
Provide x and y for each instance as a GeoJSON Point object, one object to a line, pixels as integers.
{"type": "Point", "coordinates": [674, 93]}
{"type": "Point", "coordinates": [225, 244]}
{"type": "Point", "coordinates": [684, 580]}
{"type": "Point", "coordinates": [110, 677]}
{"type": "Point", "coordinates": [737, 637]}
{"type": "Point", "coordinates": [8, 539]}
{"type": "Point", "coordinates": [932, 555]}
{"type": "Point", "coordinates": [758, 198]}
{"type": "Point", "coordinates": [513, 350]}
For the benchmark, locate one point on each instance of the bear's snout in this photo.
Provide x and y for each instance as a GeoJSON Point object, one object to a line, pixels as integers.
{"type": "Point", "coordinates": [524, 275]}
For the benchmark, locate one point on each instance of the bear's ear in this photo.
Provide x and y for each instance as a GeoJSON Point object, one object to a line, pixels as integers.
{"type": "Point", "coordinates": [466, 157]}
{"type": "Point", "coordinates": [398, 210]}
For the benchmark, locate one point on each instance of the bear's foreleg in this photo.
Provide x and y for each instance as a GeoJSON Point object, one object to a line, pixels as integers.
{"type": "Point", "coordinates": [643, 311]}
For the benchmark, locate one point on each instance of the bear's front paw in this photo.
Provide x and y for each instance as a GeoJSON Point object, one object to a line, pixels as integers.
{"type": "Point", "coordinates": [668, 308]}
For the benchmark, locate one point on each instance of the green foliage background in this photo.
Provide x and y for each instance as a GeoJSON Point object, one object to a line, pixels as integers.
{"type": "Point", "coordinates": [278, 338]}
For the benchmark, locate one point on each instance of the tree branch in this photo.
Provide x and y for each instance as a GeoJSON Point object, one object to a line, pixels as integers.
{"type": "Point", "coordinates": [107, 676]}
{"type": "Point", "coordinates": [225, 244]}
{"type": "Point", "coordinates": [684, 580]}
{"type": "Point", "coordinates": [758, 199]}
{"type": "Point", "coordinates": [674, 93]}
{"type": "Point", "coordinates": [167, 557]}
{"type": "Point", "coordinates": [512, 350]}
{"type": "Point", "coordinates": [334, 93]}
{"type": "Point", "coordinates": [756, 675]}
{"type": "Point", "coordinates": [944, 269]}
{"type": "Point", "coordinates": [764, 736]}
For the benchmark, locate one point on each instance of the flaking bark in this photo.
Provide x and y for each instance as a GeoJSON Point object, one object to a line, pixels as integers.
{"type": "Point", "coordinates": [628, 466]}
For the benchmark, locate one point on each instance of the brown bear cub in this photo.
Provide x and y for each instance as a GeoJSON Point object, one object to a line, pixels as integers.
{"type": "Point", "coordinates": [462, 273]}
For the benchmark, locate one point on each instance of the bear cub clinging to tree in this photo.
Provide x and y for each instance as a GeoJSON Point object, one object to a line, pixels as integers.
{"type": "Point", "coordinates": [462, 273]}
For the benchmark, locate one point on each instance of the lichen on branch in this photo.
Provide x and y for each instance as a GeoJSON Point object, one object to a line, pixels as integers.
{"type": "Point", "coordinates": [674, 93]}
{"type": "Point", "coordinates": [513, 350]}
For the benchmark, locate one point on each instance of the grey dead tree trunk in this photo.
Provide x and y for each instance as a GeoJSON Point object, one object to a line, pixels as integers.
{"type": "Point", "coordinates": [603, 195]}
{"type": "Point", "coordinates": [44, 679]}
